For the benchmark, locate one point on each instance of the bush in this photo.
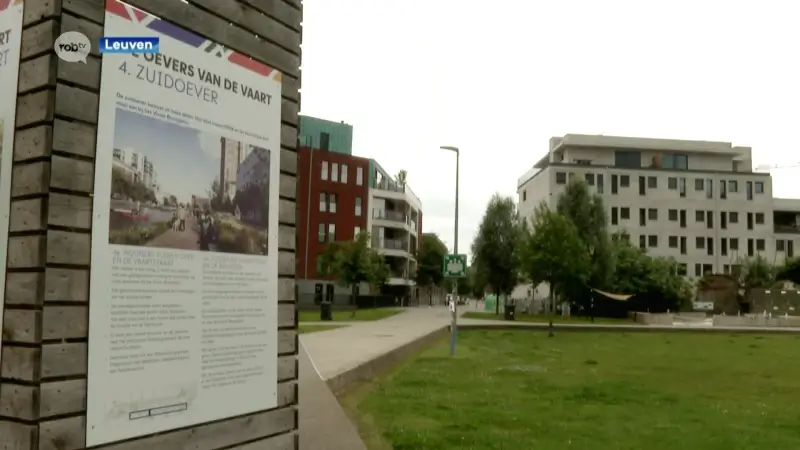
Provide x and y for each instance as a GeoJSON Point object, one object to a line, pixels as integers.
{"type": "Point", "coordinates": [138, 235]}
{"type": "Point", "coordinates": [241, 239]}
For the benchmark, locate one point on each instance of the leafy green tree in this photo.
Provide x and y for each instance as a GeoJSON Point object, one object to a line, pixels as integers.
{"type": "Point", "coordinates": [495, 247]}
{"type": "Point", "coordinates": [789, 271]}
{"type": "Point", "coordinates": [553, 252]}
{"type": "Point", "coordinates": [430, 259]}
{"type": "Point", "coordinates": [587, 212]}
{"type": "Point", "coordinates": [354, 262]}
{"type": "Point", "coordinates": [756, 272]}
{"type": "Point", "coordinates": [378, 273]}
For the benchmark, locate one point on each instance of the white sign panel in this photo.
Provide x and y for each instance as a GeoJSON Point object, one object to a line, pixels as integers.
{"type": "Point", "coordinates": [10, 34]}
{"type": "Point", "coordinates": [183, 316]}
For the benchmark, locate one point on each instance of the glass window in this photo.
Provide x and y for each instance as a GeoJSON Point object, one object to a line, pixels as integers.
{"type": "Point", "coordinates": [332, 203]}
{"type": "Point", "coordinates": [359, 176]}
{"type": "Point", "coordinates": [561, 178]}
{"type": "Point", "coordinates": [759, 187]}
{"type": "Point", "coordinates": [358, 206]}
{"type": "Point", "coordinates": [321, 233]}
{"type": "Point", "coordinates": [628, 159]}
{"type": "Point", "coordinates": [324, 173]}
{"type": "Point", "coordinates": [699, 184]}
{"type": "Point", "coordinates": [323, 202]}
{"type": "Point", "coordinates": [733, 186]}
{"type": "Point", "coordinates": [675, 161]}
{"type": "Point", "coordinates": [331, 232]}
{"type": "Point", "coordinates": [335, 172]}
{"type": "Point", "coordinates": [356, 232]}
{"type": "Point", "coordinates": [344, 173]}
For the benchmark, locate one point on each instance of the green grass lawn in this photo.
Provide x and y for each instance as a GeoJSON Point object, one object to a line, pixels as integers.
{"type": "Point", "coordinates": [543, 319]}
{"type": "Point", "coordinates": [362, 315]}
{"type": "Point", "coordinates": [515, 390]}
{"type": "Point", "coordinates": [314, 328]}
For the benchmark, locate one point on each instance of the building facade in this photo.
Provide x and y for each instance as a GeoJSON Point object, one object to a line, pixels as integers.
{"type": "Point", "coordinates": [340, 195]}
{"type": "Point", "coordinates": [699, 202]}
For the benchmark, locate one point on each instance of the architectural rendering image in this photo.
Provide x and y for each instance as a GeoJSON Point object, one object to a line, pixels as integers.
{"type": "Point", "coordinates": [179, 188]}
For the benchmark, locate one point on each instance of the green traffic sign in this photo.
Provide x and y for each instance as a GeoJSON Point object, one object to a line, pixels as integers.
{"type": "Point", "coordinates": [455, 266]}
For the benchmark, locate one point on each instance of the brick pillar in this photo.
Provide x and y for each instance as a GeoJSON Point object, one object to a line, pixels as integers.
{"type": "Point", "coordinates": [43, 385]}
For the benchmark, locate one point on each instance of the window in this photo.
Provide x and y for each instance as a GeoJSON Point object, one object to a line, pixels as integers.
{"type": "Point", "coordinates": [358, 206]}
{"type": "Point", "coordinates": [324, 141]}
{"type": "Point", "coordinates": [790, 248]}
{"type": "Point", "coordinates": [780, 245]}
{"type": "Point", "coordinates": [324, 173]}
{"type": "Point", "coordinates": [652, 182]}
{"type": "Point", "coordinates": [672, 183]}
{"type": "Point", "coordinates": [344, 174]}
{"type": "Point", "coordinates": [524, 195]}
{"type": "Point", "coordinates": [672, 215]}
{"type": "Point", "coordinates": [614, 180]}
{"type": "Point", "coordinates": [707, 269]}
{"type": "Point", "coordinates": [683, 245]}
{"type": "Point", "coordinates": [356, 232]}
{"type": "Point", "coordinates": [709, 188]}
{"type": "Point", "coordinates": [323, 202]}
{"type": "Point", "coordinates": [571, 176]}
{"type": "Point", "coordinates": [726, 269]}
{"type": "Point", "coordinates": [642, 216]}
{"type": "Point", "coordinates": [682, 187]}
{"type": "Point", "coordinates": [675, 161]}
{"type": "Point", "coordinates": [331, 232]}
{"type": "Point", "coordinates": [561, 178]}
{"type": "Point", "coordinates": [750, 248]}
{"type": "Point", "coordinates": [628, 159]}
{"type": "Point", "coordinates": [624, 181]}
{"type": "Point", "coordinates": [359, 176]}
{"type": "Point", "coordinates": [652, 241]}
{"type": "Point", "coordinates": [683, 218]}
{"type": "Point", "coordinates": [698, 270]}
{"type": "Point", "coordinates": [682, 269]}
{"type": "Point", "coordinates": [749, 189]}
{"type": "Point", "coordinates": [614, 218]}
{"type": "Point", "coordinates": [723, 222]}
{"type": "Point", "coordinates": [700, 242]}
{"type": "Point", "coordinates": [733, 217]}
{"type": "Point", "coordinates": [733, 244]}
{"type": "Point", "coordinates": [652, 214]}
{"type": "Point", "coordinates": [699, 184]}
{"type": "Point", "coordinates": [699, 216]}
{"type": "Point", "coordinates": [673, 242]}
{"type": "Point", "coordinates": [760, 245]}
{"type": "Point", "coordinates": [710, 219]}
{"type": "Point", "coordinates": [733, 186]}
{"type": "Point", "coordinates": [723, 193]}
{"type": "Point", "coordinates": [332, 203]}
{"type": "Point", "coordinates": [589, 179]}
{"type": "Point", "coordinates": [710, 246]}
{"type": "Point", "coordinates": [335, 172]}
{"type": "Point", "coordinates": [759, 187]}
{"type": "Point", "coordinates": [642, 186]}
{"type": "Point", "coordinates": [759, 218]}
{"type": "Point", "coordinates": [723, 247]}
{"type": "Point", "coordinates": [600, 183]}
{"type": "Point", "coordinates": [625, 213]}
{"type": "Point", "coordinates": [642, 241]}
{"type": "Point", "coordinates": [749, 221]}
{"type": "Point", "coordinates": [321, 233]}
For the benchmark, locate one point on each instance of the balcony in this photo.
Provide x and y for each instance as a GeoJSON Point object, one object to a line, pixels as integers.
{"type": "Point", "coordinates": [392, 247]}
{"type": "Point", "coordinates": [395, 216]}
{"type": "Point", "coordinates": [787, 229]}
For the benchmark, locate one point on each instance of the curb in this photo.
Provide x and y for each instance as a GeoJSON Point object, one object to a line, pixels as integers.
{"type": "Point", "coordinates": [368, 370]}
{"type": "Point", "coordinates": [625, 328]}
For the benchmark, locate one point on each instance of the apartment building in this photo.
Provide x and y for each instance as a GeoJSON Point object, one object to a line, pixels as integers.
{"type": "Point", "coordinates": [697, 201]}
{"type": "Point", "coordinates": [338, 196]}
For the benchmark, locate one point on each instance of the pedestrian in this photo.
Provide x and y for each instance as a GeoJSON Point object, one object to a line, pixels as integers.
{"type": "Point", "coordinates": [181, 218]}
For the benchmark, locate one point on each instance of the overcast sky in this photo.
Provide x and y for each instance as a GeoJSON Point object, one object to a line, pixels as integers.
{"type": "Point", "coordinates": [499, 78]}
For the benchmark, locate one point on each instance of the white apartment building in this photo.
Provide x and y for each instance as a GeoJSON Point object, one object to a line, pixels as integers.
{"type": "Point", "coordinates": [393, 223]}
{"type": "Point", "coordinates": [696, 201]}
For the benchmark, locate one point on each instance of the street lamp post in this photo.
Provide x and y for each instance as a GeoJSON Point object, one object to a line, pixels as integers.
{"type": "Point", "coordinates": [454, 319]}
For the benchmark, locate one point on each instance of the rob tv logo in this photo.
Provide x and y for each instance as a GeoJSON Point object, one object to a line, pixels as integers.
{"type": "Point", "coordinates": [129, 45]}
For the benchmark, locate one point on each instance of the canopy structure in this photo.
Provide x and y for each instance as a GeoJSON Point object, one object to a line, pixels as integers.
{"type": "Point", "coordinates": [618, 297]}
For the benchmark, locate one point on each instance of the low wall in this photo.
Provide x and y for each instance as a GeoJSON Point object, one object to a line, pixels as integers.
{"type": "Point", "coordinates": [756, 321]}
{"type": "Point", "coordinates": [651, 318]}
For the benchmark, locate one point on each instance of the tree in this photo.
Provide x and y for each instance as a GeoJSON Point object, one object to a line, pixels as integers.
{"type": "Point", "coordinates": [378, 272]}
{"type": "Point", "coordinates": [790, 271]}
{"type": "Point", "coordinates": [429, 262]}
{"type": "Point", "coordinates": [354, 262]}
{"type": "Point", "coordinates": [553, 252]}
{"type": "Point", "coordinates": [495, 248]}
{"type": "Point", "coordinates": [587, 212]}
{"type": "Point", "coordinates": [402, 177]}
{"type": "Point", "coordinates": [756, 272]}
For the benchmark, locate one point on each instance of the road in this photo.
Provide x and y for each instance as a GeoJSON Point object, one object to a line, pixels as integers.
{"type": "Point", "coordinates": [188, 239]}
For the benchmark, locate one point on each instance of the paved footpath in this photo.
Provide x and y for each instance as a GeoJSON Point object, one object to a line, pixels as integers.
{"type": "Point", "coordinates": [323, 423]}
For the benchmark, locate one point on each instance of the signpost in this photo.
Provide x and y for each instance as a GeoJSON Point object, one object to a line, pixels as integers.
{"type": "Point", "coordinates": [455, 266]}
